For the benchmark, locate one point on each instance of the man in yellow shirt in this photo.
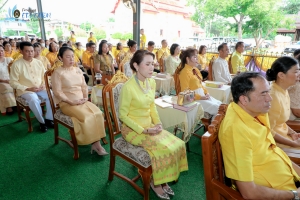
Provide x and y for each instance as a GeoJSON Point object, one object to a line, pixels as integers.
{"type": "Point", "coordinates": [143, 39]}
{"type": "Point", "coordinates": [252, 160]}
{"type": "Point", "coordinates": [163, 52]}
{"type": "Point", "coordinates": [86, 56]}
{"type": "Point", "coordinates": [150, 48]}
{"type": "Point", "coordinates": [92, 38]}
{"type": "Point", "coordinates": [237, 59]}
{"type": "Point", "coordinates": [27, 77]}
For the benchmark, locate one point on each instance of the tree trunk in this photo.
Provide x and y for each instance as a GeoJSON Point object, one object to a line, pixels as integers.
{"type": "Point", "coordinates": [240, 31]}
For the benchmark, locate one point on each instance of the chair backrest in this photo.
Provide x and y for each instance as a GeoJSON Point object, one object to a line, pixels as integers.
{"type": "Point", "coordinates": [92, 70]}
{"type": "Point", "coordinates": [127, 70]}
{"type": "Point", "coordinates": [230, 66]}
{"type": "Point", "coordinates": [210, 71]}
{"type": "Point", "coordinates": [177, 80]}
{"type": "Point", "coordinates": [215, 180]}
{"type": "Point", "coordinates": [111, 104]}
{"type": "Point", "coordinates": [47, 75]}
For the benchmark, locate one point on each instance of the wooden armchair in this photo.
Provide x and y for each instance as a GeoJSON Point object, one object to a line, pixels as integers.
{"type": "Point", "coordinates": [92, 70]}
{"type": "Point", "coordinates": [230, 66]}
{"type": "Point", "coordinates": [210, 71]}
{"type": "Point", "coordinates": [207, 118]}
{"type": "Point", "coordinates": [60, 118]}
{"type": "Point", "coordinates": [214, 174]}
{"type": "Point", "coordinates": [22, 104]}
{"type": "Point", "coordinates": [137, 156]}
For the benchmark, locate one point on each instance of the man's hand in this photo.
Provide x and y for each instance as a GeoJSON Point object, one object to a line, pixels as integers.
{"type": "Point", "coordinates": [33, 89]}
{"type": "Point", "coordinates": [295, 136]}
{"type": "Point", "coordinates": [296, 143]}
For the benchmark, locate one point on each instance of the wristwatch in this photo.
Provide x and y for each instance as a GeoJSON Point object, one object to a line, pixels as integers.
{"type": "Point", "coordinates": [296, 197]}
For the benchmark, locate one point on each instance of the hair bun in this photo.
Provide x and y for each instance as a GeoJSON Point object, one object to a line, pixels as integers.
{"type": "Point", "coordinates": [270, 75]}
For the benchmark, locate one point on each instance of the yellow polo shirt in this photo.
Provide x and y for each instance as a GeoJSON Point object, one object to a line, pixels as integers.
{"type": "Point", "coordinates": [237, 62]}
{"type": "Point", "coordinates": [93, 39]}
{"type": "Point", "coordinates": [250, 152]}
{"type": "Point", "coordinates": [24, 74]}
{"type": "Point", "coordinates": [163, 52]}
{"type": "Point", "coordinates": [72, 38]}
{"type": "Point", "coordinates": [143, 40]}
{"type": "Point", "coordinates": [280, 111]}
{"type": "Point", "coordinates": [86, 58]}
{"type": "Point", "coordinates": [78, 53]}
{"type": "Point", "coordinates": [190, 81]}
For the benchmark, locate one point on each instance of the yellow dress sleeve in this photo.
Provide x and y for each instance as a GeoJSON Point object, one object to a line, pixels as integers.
{"type": "Point", "coordinates": [153, 111]}
{"type": "Point", "coordinates": [14, 78]}
{"type": "Point", "coordinates": [274, 113]}
{"type": "Point", "coordinates": [125, 105]}
{"type": "Point", "coordinates": [57, 87]}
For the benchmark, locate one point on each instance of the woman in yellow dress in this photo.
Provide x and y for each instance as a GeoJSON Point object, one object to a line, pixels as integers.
{"type": "Point", "coordinates": [71, 92]}
{"type": "Point", "coordinates": [191, 78]}
{"type": "Point", "coordinates": [52, 55]}
{"type": "Point", "coordinates": [119, 53]}
{"type": "Point", "coordinates": [142, 126]}
{"type": "Point", "coordinates": [72, 37]}
{"type": "Point", "coordinates": [7, 97]}
{"type": "Point", "coordinates": [283, 73]}
{"type": "Point", "coordinates": [103, 61]}
{"type": "Point", "coordinates": [8, 50]}
{"type": "Point", "coordinates": [132, 49]}
{"type": "Point", "coordinates": [37, 55]}
{"type": "Point", "coordinates": [78, 51]}
{"type": "Point", "coordinates": [202, 60]}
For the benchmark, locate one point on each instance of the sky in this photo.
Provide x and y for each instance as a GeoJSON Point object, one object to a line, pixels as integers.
{"type": "Point", "coordinates": [69, 10]}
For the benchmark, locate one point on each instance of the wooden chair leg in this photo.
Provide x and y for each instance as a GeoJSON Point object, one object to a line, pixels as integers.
{"type": "Point", "coordinates": [75, 146]}
{"type": "Point", "coordinates": [27, 114]}
{"type": "Point", "coordinates": [104, 140]}
{"type": "Point", "coordinates": [19, 112]}
{"type": "Point", "coordinates": [111, 166]}
{"type": "Point", "coordinates": [55, 132]}
{"type": "Point", "coordinates": [146, 176]}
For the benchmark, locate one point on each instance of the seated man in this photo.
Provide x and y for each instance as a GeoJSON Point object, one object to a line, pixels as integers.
{"type": "Point", "coordinates": [150, 48]}
{"type": "Point", "coordinates": [86, 56]}
{"type": "Point", "coordinates": [27, 77]}
{"type": "Point", "coordinates": [237, 59]}
{"type": "Point", "coordinates": [220, 68]}
{"type": "Point", "coordinates": [252, 160]}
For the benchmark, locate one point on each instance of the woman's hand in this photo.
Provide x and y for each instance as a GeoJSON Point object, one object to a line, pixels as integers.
{"type": "Point", "coordinates": [295, 136]}
{"type": "Point", "coordinates": [154, 130]}
{"type": "Point", "coordinates": [206, 97]}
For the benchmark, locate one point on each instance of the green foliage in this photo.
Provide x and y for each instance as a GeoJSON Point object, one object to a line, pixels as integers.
{"type": "Point", "coordinates": [111, 19]}
{"type": "Point", "coordinates": [292, 7]}
{"type": "Point", "coordinates": [59, 32]}
{"type": "Point", "coordinates": [22, 33]}
{"type": "Point", "coordinates": [10, 33]}
{"type": "Point", "coordinates": [87, 26]}
{"type": "Point", "coordinates": [121, 36]}
{"type": "Point", "coordinates": [99, 33]}
{"type": "Point", "coordinates": [35, 27]}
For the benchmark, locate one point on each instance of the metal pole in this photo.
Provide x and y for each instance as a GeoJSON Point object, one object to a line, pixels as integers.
{"type": "Point", "coordinates": [136, 22]}
{"type": "Point", "coordinates": [41, 19]}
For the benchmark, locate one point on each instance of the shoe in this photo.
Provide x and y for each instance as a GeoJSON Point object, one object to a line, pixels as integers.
{"type": "Point", "coordinates": [101, 152]}
{"type": "Point", "coordinates": [161, 196]}
{"type": "Point", "coordinates": [43, 128]}
{"type": "Point", "coordinates": [10, 113]}
{"type": "Point", "coordinates": [49, 123]}
{"type": "Point", "coordinates": [168, 190]}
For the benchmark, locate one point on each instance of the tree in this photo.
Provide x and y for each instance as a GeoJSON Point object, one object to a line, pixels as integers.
{"type": "Point", "coordinates": [99, 33]}
{"type": "Point", "coordinates": [59, 32]}
{"type": "Point", "coordinates": [239, 10]}
{"type": "Point", "coordinates": [87, 26]}
{"type": "Point", "coordinates": [291, 6]}
{"type": "Point", "coordinates": [34, 26]}
{"type": "Point", "coordinates": [10, 33]}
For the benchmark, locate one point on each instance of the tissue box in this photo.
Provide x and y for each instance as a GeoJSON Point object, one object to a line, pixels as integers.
{"type": "Point", "coordinates": [160, 75]}
{"type": "Point", "coordinates": [214, 84]}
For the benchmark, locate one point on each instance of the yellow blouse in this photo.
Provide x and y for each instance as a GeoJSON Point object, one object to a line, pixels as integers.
{"type": "Point", "coordinates": [250, 152]}
{"type": "Point", "coordinates": [45, 61]}
{"type": "Point", "coordinates": [52, 57]}
{"type": "Point", "coordinates": [72, 39]}
{"type": "Point", "coordinates": [202, 61]}
{"type": "Point", "coordinates": [137, 109]}
{"type": "Point", "coordinates": [78, 53]}
{"type": "Point", "coordinates": [16, 55]}
{"type": "Point", "coordinates": [279, 112]}
{"type": "Point", "coordinates": [190, 81]}
{"type": "Point", "coordinates": [93, 39]}
{"type": "Point", "coordinates": [9, 54]}
{"type": "Point", "coordinates": [45, 51]}
{"type": "Point", "coordinates": [105, 61]}
{"type": "Point", "coordinates": [165, 52]}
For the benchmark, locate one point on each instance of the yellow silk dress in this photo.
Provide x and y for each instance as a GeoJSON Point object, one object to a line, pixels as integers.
{"type": "Point", "coordinates": [138, 112]}
{"type": "Point", "coordinates": [126, 59]}
{"type": "Point", "coordinates": [69, 83]}
{"type": "Point", "coordinates": [202, 61]}
{"type": "Point", "coordinates": [45, 61]}
{"type": "Point", "coordinates": [119, 55]}
{"type": "Point", "coordinates": [52, 57]}
{"type": "Point", "coordinates": [105, 62]}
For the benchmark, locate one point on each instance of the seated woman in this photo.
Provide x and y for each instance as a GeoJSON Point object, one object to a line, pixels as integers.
{"type": "Point", "coordinates": [132, 49]}
{"type": "Point", "coordinates": [294, 92]}
{"type": "Point", "coordinates": [191, 78]}
{"type": "Point", "coordinates": [52, 55]}
{"type": "Point", "coordinates": [37, 55]}
{"type": "Point", "coordinates": [7, 97]}
{"type": "Point", "coordinates": [173, 60]}
{"type": "Point", "coordinates": [142, 126]}
{"type": "Point", "coordinates": [78, 51]}
{"type": "Point", "coordinates": [71, 92]}
{"type": "Point", "coordinates": [119, 53]}
{"type": "Point", "coordinates": [284, 73]}
{"type": "Point", "coordinates": [103, 60]}
{"type": "Point", "coordinates": [202, 60]}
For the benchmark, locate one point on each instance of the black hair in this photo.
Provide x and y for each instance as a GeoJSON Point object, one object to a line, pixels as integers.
{"type": "Point", "coordinates": [151, 43]}
{"type": "Point", "coordinates": [173, 47]}
{"type": "Point", "coordinates": [64, 45]}
{"type": "Point", "coordinates": [37, 44]}
{"type": "Point", "coordinates": [238, 44]}
{"type": "Point", "coordinates": [204, 74]}
{"type": "Point", "coordinates": [63, 49]}
{"type": "Point", "coordinates": [100, 47]}
{"type": "Point", "coordinates": [186, 54]}
{"type": "Point", "coordinates": [221, 46]}
{"type": "Point", "coordinates": [282, 64]}
{"type": "Point", "coordinates": [297, 54]}
{"type": "Point", "coordinates": [25, 44]}
{"type": "Point", "coordinates": [50, 46]}
{"type": "Point", "coordinates": [163, 41]}
{"type": "Point", "coordinates": [131, 43]}
{"type": "Point", "coordinates": [77, 44]}
{"type": "Point", "coordinates": [89, 44]}
{"type": "Point", "coordinates": [242, 84]}
{"type": "Point", "coordinates": [118, 46]}
{"type": "Point", "coordinates": [5, 42]}
{"type": "Point", "coordinates": [201, 48]}
{"type": "Point", "coordinates": [138, 57]}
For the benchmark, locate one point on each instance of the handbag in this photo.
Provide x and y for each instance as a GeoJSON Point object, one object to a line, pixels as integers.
{"type": "Point", "coordinates": [186, 97]}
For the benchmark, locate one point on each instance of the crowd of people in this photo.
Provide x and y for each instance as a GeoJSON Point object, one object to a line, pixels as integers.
{"type": "Point", "coordinates": [253, 134]}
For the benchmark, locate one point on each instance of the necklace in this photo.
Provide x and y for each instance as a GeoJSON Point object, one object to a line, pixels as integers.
{"type": "Point", "coordinates": [147, 85]}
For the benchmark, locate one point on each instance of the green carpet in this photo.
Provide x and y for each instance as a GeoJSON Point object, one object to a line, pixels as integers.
{"type": "Point", "coordinates": [33, 167]}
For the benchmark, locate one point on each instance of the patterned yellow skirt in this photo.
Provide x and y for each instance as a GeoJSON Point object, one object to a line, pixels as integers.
{"type": "Point", "coordinates": [167, 153]}
{"type": "Point", "coordinates": [7, 97]}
